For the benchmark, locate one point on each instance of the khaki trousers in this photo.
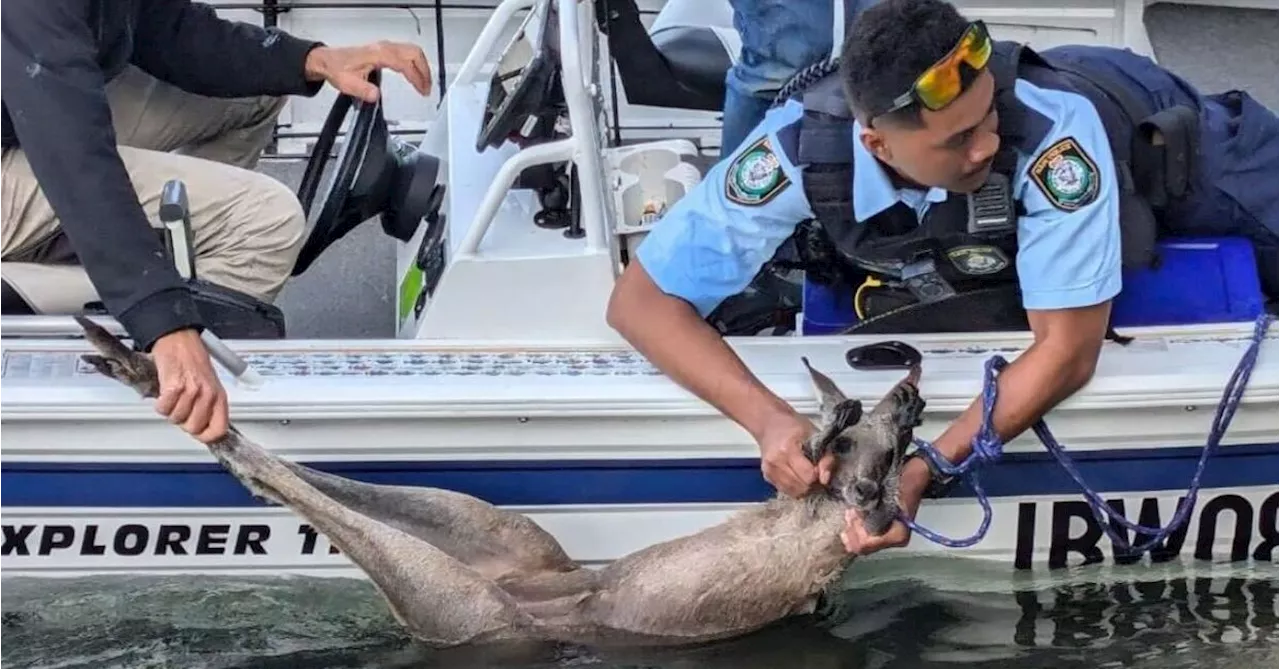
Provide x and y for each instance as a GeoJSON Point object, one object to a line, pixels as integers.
{"type": "Point", "coordinates": [248, 227]}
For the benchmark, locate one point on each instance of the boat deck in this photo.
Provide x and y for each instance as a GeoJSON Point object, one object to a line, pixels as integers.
{"type": "Point", "coordinates": [395, 397]}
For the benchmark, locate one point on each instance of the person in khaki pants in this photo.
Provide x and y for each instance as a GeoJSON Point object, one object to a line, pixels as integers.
{"type": "Point", "coordinates": [106, 100]}
{"type": "Point", "coordinates": [247, 226]}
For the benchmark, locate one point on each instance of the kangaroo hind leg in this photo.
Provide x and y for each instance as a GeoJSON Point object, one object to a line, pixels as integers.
{"type": "Point", "coordinates": [499, 544]}
{"type": "Point", "coordinates": [439, 599]}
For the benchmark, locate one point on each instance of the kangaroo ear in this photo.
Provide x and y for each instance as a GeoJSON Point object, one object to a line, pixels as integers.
{"type": "Point", "coordinates": [847, 414]}
{"type": "Point", "coordinates": [828, 395]}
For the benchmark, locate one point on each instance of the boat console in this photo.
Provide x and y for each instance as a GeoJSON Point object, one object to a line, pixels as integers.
{"type": "Point", "coordinates": [378, 174]}
{"type": "Point", "coordinates": [520, 84]}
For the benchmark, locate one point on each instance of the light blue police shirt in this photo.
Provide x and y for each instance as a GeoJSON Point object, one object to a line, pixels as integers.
{"type": "Point", "coordinates": [714, 240]}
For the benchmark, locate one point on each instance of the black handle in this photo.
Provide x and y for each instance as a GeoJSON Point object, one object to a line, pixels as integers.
{"type": "Point", "coordinates": [883, 355]}
{"type": "Point", "coordinates": [173, 202]}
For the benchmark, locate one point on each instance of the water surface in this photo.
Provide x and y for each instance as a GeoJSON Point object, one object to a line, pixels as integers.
{"type": "Point", "coordinates": [913, 612]}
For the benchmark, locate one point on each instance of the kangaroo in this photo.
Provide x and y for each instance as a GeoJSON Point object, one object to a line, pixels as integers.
{"type": "Point", "coordinates": [458, 571]}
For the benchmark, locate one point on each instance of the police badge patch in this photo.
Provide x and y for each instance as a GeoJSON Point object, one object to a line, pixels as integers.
{"type": "Point", "coordinates": [755, 177]}
{"type": "Point", "coordinates": [978, 260]}
{"type": "Point", "coordinates": [1066, 175]}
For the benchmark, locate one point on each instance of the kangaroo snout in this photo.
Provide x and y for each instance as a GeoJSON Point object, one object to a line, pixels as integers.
{"type": "Point", "coordinates": [865, 490]}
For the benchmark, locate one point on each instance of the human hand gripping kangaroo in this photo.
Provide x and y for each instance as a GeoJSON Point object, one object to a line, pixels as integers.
{"type": "Point", "coordinates": [456, 570]}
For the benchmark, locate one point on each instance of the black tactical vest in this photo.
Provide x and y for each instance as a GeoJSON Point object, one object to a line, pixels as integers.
{"type": "Point", "coordinates": [965, 246]}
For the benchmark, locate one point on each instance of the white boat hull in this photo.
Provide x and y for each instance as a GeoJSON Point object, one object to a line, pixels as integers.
{"type": "Point", "coordinates": [1035, 533]}
{"type": "Point", "coordinates": [606, 454]}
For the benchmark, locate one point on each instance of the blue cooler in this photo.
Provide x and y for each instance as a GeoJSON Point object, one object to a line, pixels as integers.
{"type": "Point", "coordinates": [827, 309]}
{"type": "Point", "coordinates": [1199, 280]}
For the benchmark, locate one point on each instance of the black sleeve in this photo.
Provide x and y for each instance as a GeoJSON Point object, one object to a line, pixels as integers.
{"type": "Point", "coordinates": [188, 45]}
{"type": "Point", "coordinates": [55, 94]}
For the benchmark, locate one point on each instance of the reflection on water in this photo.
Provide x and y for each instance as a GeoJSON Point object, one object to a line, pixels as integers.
{"type": "Point", "coordinates": [910, 613]}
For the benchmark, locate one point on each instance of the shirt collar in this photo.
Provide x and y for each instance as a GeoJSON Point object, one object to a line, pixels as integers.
{"type": "Point", "coordinates": [873, 192]}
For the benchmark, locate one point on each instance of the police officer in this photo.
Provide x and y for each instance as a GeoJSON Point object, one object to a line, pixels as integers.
{"type": "Point", "coordinates": [1023, 182]}
{"type": "Point", "coordinates": [95, 94]}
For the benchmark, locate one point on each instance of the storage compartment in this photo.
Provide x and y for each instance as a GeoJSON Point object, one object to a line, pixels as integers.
{"type": "Point", "coordinates": [644, 202]}
{"type": "Point", "coordinates": [655, 160]}
{"type": "Point", "coordinates": [1199, 280]}
{"type": "Point", "coordinates": [647, 180]}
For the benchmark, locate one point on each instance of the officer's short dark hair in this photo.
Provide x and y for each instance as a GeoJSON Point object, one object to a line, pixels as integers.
{"type": "Point", "coordinates": [891, 44]}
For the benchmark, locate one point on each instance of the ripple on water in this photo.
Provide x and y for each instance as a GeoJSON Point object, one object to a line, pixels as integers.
{"type": "Point", "coordinates": [905, 613]}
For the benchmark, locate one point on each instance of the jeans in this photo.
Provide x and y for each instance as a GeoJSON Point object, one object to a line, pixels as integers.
{"type": "Point", "coordinates": [779, 38]}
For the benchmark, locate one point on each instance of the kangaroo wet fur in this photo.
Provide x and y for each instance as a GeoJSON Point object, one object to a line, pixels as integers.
{"type": "Point", "coordinates": [458, 571]}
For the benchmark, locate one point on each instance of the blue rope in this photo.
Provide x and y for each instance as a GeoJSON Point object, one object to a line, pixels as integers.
{"type": "Point", "coordinates": [987, 449]}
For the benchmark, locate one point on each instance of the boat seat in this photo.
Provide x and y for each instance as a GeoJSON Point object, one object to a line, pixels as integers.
{"type": "Point", "coordinates": [45, 290]}
{"type": "Point", "coordinates": [38, 300]}
{"type": "Point", "coordinates": [677, 61]}
{"type": "Point", "coordinates": [699, 42]}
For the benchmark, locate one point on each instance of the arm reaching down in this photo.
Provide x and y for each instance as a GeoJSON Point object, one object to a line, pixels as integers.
{"type": "Point", "coordinates": [55, 95]}
{"type": "Point", "coordinates": [667, 331]}
{"type": "Point", "coordinates": [55, 98]}
{"type": "Point", "coordinates": [707, 248]}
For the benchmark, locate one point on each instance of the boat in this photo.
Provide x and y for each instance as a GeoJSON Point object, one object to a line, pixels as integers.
{"type": "Point", "coordinates": [504, 380]}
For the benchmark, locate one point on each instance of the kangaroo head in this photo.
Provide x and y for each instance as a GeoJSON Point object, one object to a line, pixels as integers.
{"type": "Point", "coordinates": [868, 448]}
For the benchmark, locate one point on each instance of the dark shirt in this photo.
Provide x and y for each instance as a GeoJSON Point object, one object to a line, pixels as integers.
{"type": "Point", "coordinates": [56, 58]}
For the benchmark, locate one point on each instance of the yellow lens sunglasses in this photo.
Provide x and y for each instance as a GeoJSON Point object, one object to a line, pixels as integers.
{"type": "Point", "coordinates": [942, 83]}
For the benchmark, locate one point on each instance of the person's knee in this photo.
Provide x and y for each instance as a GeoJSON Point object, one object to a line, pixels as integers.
{"type": "Point", "coordinates": [272, 231]}
{"type": "Point", "coordinates": [759, 77]}
{"type": "Point", "coordinates": [281, 222]}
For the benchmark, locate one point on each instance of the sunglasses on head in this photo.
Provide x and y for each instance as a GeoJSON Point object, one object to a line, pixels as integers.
{"type": "Point", "coordinates": [942, 83]}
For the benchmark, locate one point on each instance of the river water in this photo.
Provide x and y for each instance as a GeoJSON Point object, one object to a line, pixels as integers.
{"type": "Point", "coordinates": [904, 612]}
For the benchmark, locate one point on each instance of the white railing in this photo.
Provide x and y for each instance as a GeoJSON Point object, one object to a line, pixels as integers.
{"type": "Point", "coordinates": [582, 146]}
{"type": "Point", "coordinates": [54, 326]}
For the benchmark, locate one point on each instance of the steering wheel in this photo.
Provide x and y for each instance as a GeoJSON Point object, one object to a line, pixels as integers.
{"type": "Point", "coordinates": [377, 173]}
{"type": "Point", "coordinates": [517, 93]}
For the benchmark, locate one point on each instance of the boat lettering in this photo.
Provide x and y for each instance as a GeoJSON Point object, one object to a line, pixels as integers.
{"type": "Point", "coordinates": [309, 536]}
{"type": "Point", "coordinates": [136, 539]}
{"type": "Point", "coordinates": [1252, 531]}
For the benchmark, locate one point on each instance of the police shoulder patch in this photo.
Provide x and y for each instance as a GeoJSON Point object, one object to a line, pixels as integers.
{"type": "Point", "coordinates": [755, 176]}
{"type": "Point", "coordinates": [1066, 175]}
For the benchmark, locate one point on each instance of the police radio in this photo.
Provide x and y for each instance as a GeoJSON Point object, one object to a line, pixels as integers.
{"type": "Point", "coordinates": [991, 208]}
